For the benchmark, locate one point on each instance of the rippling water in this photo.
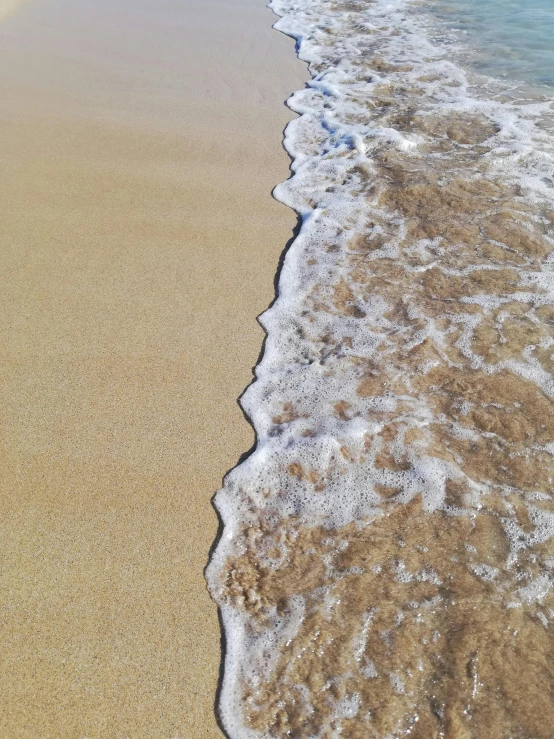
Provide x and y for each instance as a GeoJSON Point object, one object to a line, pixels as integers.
{"type": "Point", "coordinates": [387, 561]}
{"type": "Point", "coordinates": [513, 38]}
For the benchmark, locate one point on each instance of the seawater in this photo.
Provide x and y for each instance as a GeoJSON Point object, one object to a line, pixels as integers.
{"type": "Point", "coordinates": [387, 559]}
{"type": "Point", "coordinates": [510, 38]}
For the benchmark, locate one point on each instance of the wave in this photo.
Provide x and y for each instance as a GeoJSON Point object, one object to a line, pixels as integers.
{"type": "Point", "coordinates": [386, 564]}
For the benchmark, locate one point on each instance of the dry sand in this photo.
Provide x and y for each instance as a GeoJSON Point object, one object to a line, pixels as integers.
{"type": "Point", "coordinates": [139, 143]}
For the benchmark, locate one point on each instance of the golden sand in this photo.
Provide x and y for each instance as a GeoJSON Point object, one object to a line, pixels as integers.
{"type": "Point", "coordinates": [139, 146]}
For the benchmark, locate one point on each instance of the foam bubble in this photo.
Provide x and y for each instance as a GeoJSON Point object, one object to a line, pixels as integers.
{"type": "Point", "coordinates": [407, 372]}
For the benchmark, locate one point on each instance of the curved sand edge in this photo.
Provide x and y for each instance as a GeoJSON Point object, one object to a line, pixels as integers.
{"type": "Point", "coordinates": [140, 146]}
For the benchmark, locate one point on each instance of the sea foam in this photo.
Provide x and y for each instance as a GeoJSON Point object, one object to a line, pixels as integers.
{"type": "Point", "coordinates": [387, 555]}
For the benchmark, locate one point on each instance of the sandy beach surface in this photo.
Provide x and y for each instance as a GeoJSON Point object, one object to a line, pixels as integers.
{"type": "Point", "coordinates": [139, 143]}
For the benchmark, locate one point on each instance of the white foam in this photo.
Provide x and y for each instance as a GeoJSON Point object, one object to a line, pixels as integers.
{"type": "Point", "coordinates": [333, 145]}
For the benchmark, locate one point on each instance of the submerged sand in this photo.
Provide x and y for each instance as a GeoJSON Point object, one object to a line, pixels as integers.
{"type": "Point", "coordinates": [388, 562]}
{"type": "Point", "coordinates": [139, 145]}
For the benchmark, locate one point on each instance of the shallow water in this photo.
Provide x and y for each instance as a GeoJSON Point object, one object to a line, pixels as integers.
{"type": "Point", "coordinates": [510, 38]}
{"type": "Point", "coordinates": [387, 559]}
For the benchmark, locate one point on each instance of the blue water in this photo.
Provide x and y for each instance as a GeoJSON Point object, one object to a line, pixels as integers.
{"type": "Point", "coordinates": [511, 38]}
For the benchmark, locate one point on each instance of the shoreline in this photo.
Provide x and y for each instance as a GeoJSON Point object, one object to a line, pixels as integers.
{"type": "Point", "coordinates": [134, 152]}
{"type": "Point", "coordinates": [378, 537]}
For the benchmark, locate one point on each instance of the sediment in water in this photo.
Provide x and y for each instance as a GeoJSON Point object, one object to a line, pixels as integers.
{"type": "Point", "coordinates": [387, 559]}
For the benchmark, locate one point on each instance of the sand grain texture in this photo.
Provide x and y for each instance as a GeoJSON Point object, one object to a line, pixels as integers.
{"type": "Point", "coordinates": [139, 145]}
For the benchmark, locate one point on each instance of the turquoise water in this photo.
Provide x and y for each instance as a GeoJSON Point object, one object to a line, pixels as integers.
{"type": "Point", "coordinates": [511, 38]}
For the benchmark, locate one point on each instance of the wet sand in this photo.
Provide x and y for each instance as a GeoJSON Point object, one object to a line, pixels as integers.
{"type": "Point", "coordinates": [388, 561]}
{"type": "Point", "coordinates": [139, 144]}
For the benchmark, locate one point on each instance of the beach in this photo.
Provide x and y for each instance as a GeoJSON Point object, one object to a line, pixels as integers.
{"type": "Point", "coordinates": [387, 563]}
{"type": "Point", "coordinates": [383, 554]}
{"type": "Point", "coordinates": [140, 143]}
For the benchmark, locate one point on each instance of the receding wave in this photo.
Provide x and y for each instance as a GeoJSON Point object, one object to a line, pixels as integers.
{"type": "Point", "coordinates": [386, 564]}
